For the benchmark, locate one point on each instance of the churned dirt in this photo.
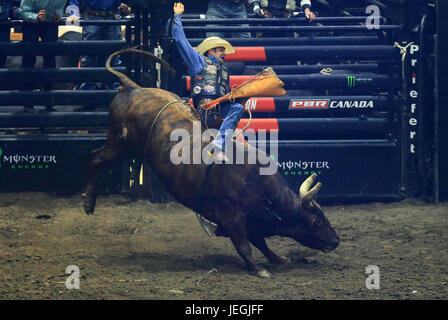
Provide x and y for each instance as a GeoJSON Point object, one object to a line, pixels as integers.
{"type": "Point", "coordinates": [137, 250]}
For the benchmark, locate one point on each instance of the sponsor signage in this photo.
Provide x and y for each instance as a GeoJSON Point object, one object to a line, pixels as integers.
{"type": "Point", "coordinates": [321, 104]}
{"type": "Point", "coordinates": [300, 167]}
{"type": "Point", "coordinates": [353, 81]}
{"type": "Point", "coordinates": [26, 160]}
{"type": "Point", "coordinates": [347, 169]}
{"type": "Point", "coordinates": [413, 97]}
{"type": "Point", "coordinates": [52, 163]}
{"type": "Point", "coordinates": [308, 104]}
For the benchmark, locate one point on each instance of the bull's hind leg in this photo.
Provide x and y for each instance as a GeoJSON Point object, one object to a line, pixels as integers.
{"type": "Point", "coordinates": [110, 153]}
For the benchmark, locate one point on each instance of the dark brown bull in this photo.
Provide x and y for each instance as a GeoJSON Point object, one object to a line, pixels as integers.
{"type": "Point", "coordinates": [246, 206]}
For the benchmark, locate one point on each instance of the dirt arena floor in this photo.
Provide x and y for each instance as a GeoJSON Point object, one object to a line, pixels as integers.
{"type": "Point", "coordinates": [138, 250]}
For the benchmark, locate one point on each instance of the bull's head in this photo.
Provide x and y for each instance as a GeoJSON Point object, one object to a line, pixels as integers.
{"type": "Point", "coordinates": [313, 230]}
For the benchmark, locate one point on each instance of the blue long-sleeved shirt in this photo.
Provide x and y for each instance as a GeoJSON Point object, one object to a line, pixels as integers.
{"type": "Point", "coordinates": [194, 60]}
{"type": "Point", "coordinates": [98, 5]}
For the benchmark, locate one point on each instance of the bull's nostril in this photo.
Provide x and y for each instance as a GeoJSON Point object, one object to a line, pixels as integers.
{"type": "Point", "coordinates": [336, 242]}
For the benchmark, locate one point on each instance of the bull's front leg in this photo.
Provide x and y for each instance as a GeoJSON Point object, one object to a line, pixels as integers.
{"type": "Point", "coordinates": [260, 244]}
{"type": "Point", "coordinates": [237, 232]}
{"type": "Point", "coordinates": [103, 157]}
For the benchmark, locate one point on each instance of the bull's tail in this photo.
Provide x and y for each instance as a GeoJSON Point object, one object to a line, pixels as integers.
{"type": "Point", "coordinates": [125, 79]}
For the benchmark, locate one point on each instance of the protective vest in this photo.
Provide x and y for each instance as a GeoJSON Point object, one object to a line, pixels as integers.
{"type": "Point", "coordinates": [211, 82]}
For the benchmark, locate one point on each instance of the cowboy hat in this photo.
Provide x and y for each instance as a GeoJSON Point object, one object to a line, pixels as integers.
{"type": "Point", "coordinates": [214, 42]}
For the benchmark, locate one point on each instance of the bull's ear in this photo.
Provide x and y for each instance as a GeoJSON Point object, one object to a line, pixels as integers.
{"type": "Point", "coordinates": [307, 197]}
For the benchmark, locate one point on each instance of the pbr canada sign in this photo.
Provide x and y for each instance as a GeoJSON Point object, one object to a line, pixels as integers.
{"type": "Point", "coordinates": [320, 104]}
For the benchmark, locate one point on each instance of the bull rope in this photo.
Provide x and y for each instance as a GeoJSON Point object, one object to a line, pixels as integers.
{"type": "Point", "coordinates": [154, 122]}
{"type": "Point", "coordinates": [246, 126]}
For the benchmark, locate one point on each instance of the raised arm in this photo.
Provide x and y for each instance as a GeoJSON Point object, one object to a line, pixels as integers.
{"type": "Point", "coordinates": [193, 59]}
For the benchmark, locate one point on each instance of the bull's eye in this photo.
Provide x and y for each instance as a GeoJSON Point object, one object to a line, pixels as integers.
{"type": "Point", "coordinates": [319, 223]}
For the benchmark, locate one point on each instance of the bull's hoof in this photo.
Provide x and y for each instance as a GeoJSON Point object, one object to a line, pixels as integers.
{"type": "Point", "coordinates": [263, 274]}
{"type": "Point", "coordinates": [281, 260]}
{"type": "Point", "coordinates": [88, 204]}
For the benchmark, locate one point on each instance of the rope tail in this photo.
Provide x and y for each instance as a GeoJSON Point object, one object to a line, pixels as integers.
{"type": "Point", "coordinates": [125, 79]}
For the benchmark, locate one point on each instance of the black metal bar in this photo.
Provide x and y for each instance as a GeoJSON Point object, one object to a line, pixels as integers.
{"type": "Point", "coordinates": [137, 42]}
{"type": "Point", "coordinates": [333, 128]}
{"type": "Point", "coordinates": [337, 40]}
{"type": "Point", "coordinates": [102, 22]}
{"type": "Point", "coordinates": [288, 128]}
{"type": "Point", "coordinates": [145, 29]}
{"type": "Point", "coordinates": [441, 101]}
{"type": "Point", "coordinates": [304, 69]}
{"type": "Point", "coordinates": [423, 149]}
{"type": "Point", "coordinates": [187, 16]}
{"type": "Point", "coordinates": [61, 48]}
{"type": "Point", "coordinates": [332, 52]}
{"type": "Point", "coordinates": [286, 103]}
{"type": "Point", "coordinates": [195, 16]}
{"type": "Point", "coordinates": [59, 74]}
{"type": "Point", "coordinates": [58, 97]}
{"type": "Point", "coordinates": [334, 81]}
{"type": "Point", "coordinates": [54, 119]}
{"type": "Point", "coordinates": [289, 28]}
{"type": "Point", "coordinates": [298, 106]}
{"type": "Point", "coordinates": [262, 21]}
{"type": "Point", "coordinates": [128, 39]}
{"type": "Point", "coordinates": [14, 23]}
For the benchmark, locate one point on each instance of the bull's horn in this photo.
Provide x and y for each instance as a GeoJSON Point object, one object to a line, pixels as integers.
{"type": "Point", "coordinates": [306, 185]}
{"type": "Point", "coordinates": [307, 197]}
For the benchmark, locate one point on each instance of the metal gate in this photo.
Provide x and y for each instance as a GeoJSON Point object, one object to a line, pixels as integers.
{"type": "Point", "coordinates": [358, 111]}
{"type": "Point", "coordinates": [354, 111]}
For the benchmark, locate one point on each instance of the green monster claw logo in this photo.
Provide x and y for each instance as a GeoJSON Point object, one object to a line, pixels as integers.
{"type": "Point", "coordinates": [351, 81]}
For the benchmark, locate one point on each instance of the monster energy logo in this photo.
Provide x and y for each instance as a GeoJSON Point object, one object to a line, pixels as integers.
{"type": "Point", "coordinates": [351, 81]}
{"type": "Point", "coordinates": [27, 161]}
